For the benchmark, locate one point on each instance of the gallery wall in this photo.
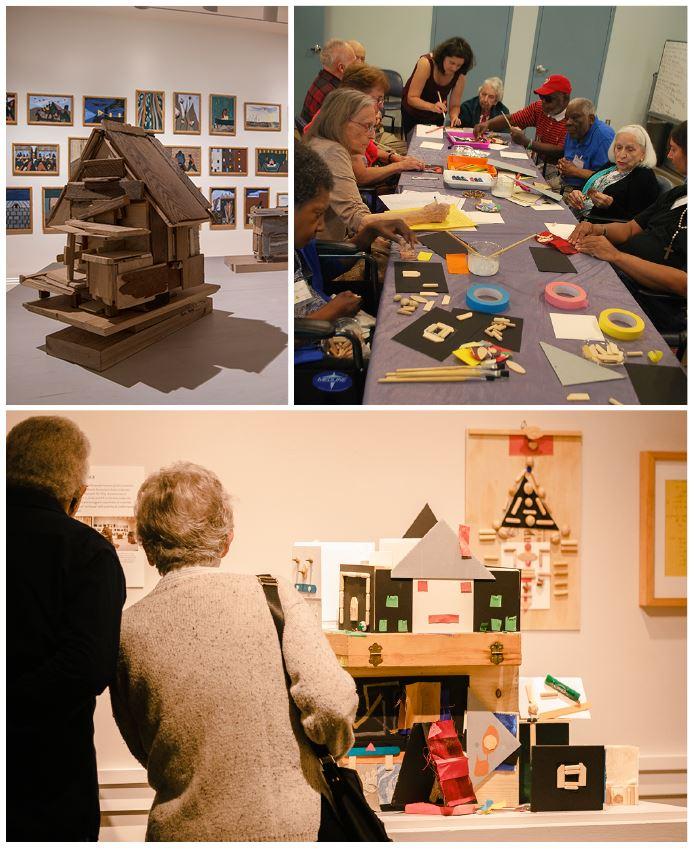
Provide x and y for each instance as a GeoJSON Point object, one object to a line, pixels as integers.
{"type": "Point", "coordinates": [112, 51]}
{"type": "Point", "coordinates": [350, 476]}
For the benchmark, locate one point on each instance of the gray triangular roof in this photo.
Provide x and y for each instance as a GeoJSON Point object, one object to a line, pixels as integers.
{"type": "Point", "coordinates": [437, 555]}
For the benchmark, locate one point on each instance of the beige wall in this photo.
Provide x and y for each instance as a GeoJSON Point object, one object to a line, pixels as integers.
{"type": "Point", "coordinates": [114, 51]}
{"type": "Point", "coordinates": [364, 475]}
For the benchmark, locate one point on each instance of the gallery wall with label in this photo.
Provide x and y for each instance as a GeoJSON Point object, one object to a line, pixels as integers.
{"type": "Point", "coordinates": [213, 89]}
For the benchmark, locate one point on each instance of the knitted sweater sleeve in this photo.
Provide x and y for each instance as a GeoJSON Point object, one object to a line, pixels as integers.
{"type": "Point", "coordinates": [120, 706]}
{"type": "Point", "coordinates": [324, 693]}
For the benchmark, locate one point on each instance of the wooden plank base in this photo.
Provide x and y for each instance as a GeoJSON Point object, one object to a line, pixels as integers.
{"type": "Point", "coordinates": [100, 353]}
{"type": "Point", "coordinates": [248, 263]}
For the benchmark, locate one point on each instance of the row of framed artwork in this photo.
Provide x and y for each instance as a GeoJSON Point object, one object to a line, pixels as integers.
{"type": "Point", "coordinates": [43, 160]}
{"type": "Point", "coordinates": [19, 206]}
{"type": "Point", "coordinates": [150, 112]}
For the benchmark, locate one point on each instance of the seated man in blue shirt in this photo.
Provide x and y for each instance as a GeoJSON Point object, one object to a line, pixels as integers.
{"type": "Point", "coordinates": [588, 140]}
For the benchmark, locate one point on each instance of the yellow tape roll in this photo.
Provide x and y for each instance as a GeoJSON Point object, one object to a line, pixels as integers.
{"type": "Point", "coordinates": [631, 326]}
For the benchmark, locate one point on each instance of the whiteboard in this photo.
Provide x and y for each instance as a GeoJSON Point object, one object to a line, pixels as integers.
{"type": "Point", "coordinates": [670, 93]}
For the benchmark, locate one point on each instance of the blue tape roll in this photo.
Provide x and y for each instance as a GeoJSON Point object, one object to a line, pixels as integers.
{"type": "Point", "coordinates": [487, 298]}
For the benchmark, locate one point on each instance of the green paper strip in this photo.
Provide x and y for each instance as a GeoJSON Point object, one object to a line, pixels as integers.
{"type": "Point", "coordinates": [511, 624]}
{"type": "Point", "coordinates": [383, 625]}
{"type": "Point", "coordinates": [391, 601]}
{"type": "Point", "coordinates": [484, 627]}
{"type": "Point", "coordinates": [495, 602]}
{"type": "Point", "coordinates": [402, 625]}
{"type": "Point", "coordinates": [496, 625]}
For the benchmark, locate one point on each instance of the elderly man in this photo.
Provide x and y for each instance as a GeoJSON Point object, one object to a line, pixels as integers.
{"type": "Point", "coordinates": [587, 143]}
{"type": "Point", "coordinates": [486, 105]}
{"type": "Point", "coordinates": [359, 51]}
{"type": "Point", "coordinates": [65, 591]}
{"type": "Point", "coordinates": [334, 57]}
{"type": "Point", "coordinates": [546, 115]}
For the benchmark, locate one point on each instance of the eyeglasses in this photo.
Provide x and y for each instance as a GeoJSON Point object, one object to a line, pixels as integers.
{"type": "Point", "coordinates": [370, 128]}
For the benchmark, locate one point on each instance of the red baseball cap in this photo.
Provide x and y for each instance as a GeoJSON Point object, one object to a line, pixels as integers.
{"type": "Point", "coordinates": [555, 83]}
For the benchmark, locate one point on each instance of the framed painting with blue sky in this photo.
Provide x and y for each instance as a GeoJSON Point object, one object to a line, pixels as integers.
{"type": "Point", "coordinates": [95, 109]}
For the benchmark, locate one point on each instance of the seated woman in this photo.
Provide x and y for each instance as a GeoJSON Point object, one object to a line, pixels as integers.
{"type": "Point", "coordinates": [200, 695]}
{"type": "Point", "coordinates": [649, 252]}
{"type": "Point", "coordinates": [624, 189]}
{"type": "Point", "coordinates": [486, 105]}
{"type": "Point", "coordinates": [343, 129]}
{"type": "Point", "coordinates": [437, 77]}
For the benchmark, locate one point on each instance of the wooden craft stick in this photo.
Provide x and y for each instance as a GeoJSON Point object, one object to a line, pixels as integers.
{"type": "Point", "coordinates": [560, 712]}
{"type": "Point", "coordinates": [513, 245]}
{"type": "Point", "coordinates": [507, 121]}
{"type": "Point", "coordinates": [462, 242]}
{"type": "Point", "coordinates": [397, 379]}
{"type": "Point", "coordinates": [438, 369]}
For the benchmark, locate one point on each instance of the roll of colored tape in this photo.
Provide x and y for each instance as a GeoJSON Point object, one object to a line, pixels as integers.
{"type": "Point", "coordinates": [630, 325]}
{"type": "Point", "coordinates": [566, 296]}
{"type": "Point", "coordinates": [487, 298]}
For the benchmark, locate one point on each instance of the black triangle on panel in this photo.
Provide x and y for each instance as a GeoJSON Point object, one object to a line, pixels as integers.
{"type": "Point", "coordinates": [527, 510]}
{"type": "Point", "coordinates": [425, 522]}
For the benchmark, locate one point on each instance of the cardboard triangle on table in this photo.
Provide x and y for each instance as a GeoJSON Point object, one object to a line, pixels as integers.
{"type": "Point", "coordinates": [520, 510]}
{"type": "Point", "coordinates": [483, 763]}
{"type": "Point", "coordinates": [437, 555]}
{"type": "Point", "coordinates": [424, 522]}
{"type": "Point", "coordinates": [572, 369]}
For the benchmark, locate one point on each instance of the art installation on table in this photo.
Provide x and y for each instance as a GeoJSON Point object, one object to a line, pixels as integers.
{"type": "Point", "coordinates": [188, 159]}
{"type": "Point", "coordinates": [29, 159]}
{"type": "Point", "coordinates": [222, 115]}
{"type": "Point", "coordinates": [524, 515]}
{"type": "Point", "coordinates": [18, 210]}
{"type": "Point", "coordinates": [49, 198]}
{"type": "Point", "coordinates": [186, 111]}
{"type": "Point", "coordinates": [270, 234]}
{"type": "Point", "coordinates": [132, 262]}
{"type": "Point", "coordinates": [11, 107]}
{"type": "Point", "coordinates": [272, 162]}
{"type": "Point", "coordinates": [229, 161]}
{"type": "Point", "coordinates": [262, 116]}
{"type": "Point", "coordinates": [252, 198]}
{"type": "Point", "coordinates": [150, 110]}
{"type": "Point", "coordinates": [95, 109]}
{"type": "Point", "coordinates": [223, 208]}
{"type": "Point", "coordinates": [50, 109]}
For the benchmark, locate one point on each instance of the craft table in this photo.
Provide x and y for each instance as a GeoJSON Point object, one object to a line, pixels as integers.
{"type": "Point", "coordinates": [525, 284]}
{"type": "Point", "coordinates": [644, 822]}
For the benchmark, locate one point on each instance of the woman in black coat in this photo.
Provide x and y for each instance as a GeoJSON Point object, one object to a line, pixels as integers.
{"type": "Point", "coordinates": [485, 105]}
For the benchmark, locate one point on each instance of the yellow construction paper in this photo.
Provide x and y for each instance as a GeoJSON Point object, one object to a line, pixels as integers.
{"type": "Point", "coordinates": [466, 355]}
{"type": "Point", "coordinates": [454, 221]}
{"type": "Point", "coordinates": [425, 256]}
{"type": "Point", "coordinates": [675, 528]}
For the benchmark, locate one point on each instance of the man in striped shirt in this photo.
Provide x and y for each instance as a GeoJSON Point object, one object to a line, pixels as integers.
{"type": "Point", "coordinates": [547, 115]}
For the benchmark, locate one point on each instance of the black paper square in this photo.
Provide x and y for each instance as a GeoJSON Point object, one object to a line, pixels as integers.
{"type": "Point", "coordinates": [547, 732]}
{"type": "Point", "coordinates": [658, 384]}
{"type": "Point", "coordinates": [441, 242]}
{"type": "Point", "coordinates": [551, 260]}
{"type": "Point", "coordinates": [507, 586]}
{"type": "Point", "coordinates": [429, 273]}
{"type": "Point", "coordinates": [412, 337]}
{"type": "Point", "coordinates": [544, 794]}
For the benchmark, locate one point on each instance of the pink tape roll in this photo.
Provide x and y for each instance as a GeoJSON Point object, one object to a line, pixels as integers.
{"type": "Point", "coordinates": [567, 296]}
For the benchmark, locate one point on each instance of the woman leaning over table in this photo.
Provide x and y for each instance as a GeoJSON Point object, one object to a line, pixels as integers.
{"type": "Point", "coordinates": [627, 187]}
{"type": "Point", "coordinates": [437, 77]}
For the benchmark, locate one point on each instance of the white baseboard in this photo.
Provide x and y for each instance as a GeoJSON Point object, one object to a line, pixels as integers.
{"type": "Point", "coordinates": [11, 282]}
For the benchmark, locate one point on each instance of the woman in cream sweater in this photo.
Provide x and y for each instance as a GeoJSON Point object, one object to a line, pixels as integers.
{"type": "Point", "coordinates": [200, 696]}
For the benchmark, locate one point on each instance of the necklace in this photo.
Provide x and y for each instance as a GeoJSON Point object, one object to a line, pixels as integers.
{"type": "Point", "coordinates": [680, 226]}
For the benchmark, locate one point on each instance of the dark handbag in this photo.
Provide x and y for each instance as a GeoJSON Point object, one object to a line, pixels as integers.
{"type": "Point", "coordinates": [356, 818]}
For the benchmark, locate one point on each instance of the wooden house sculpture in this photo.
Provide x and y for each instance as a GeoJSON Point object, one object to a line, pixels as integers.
{"type": "Point", "coordinates": [270, 243]}
{"type": "Point", "coordinates": [132, 259]}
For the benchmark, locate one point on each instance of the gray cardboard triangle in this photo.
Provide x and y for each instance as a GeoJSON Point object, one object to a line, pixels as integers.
{"type": "Point", "coordinates": [482, 763]}
{"type": "Point", "coordinates": [424, 522]}
{"type": "Point", "coordinates": [437, 555]}
{"type": "Point", "coordinates": [572, 369]}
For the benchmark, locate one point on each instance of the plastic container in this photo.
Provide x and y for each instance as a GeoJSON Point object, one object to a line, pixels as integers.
{"type": "Point", "coordinates": [504, 186]}
{"type": "Point", "coordinates": [481, 263]}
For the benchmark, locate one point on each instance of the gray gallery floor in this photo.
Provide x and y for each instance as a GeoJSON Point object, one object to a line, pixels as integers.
{"type": "Point", "coordinates": [235, 355]}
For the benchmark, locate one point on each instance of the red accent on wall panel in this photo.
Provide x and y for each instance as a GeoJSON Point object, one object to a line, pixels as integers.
{"type": "Point", "coordinates": [466, 587]}
{"type": "Point", "coordinates": [518, 445]}
{"type": "Point", "coordinates": [443, 618]}
{"type": "Point", "coordinates": [422, 586]}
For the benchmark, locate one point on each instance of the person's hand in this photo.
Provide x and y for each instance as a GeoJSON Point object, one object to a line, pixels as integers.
{"type": "Point", "coordinates": [600, 199]}
{"type": "Point", "coordinates": [455, 122]}
{"type": "Point", "coordinates": [392, 229]}
{"type": "Point", "coordinates": [410, 163]}
{"type": "Point", "coordinates": [567, 169]}
{"type": "Point", "coordinates": [584, 228]}
{"type": "Point", "coordinates": [479, 129]}
{"type": "Point", "coordinates": [519, 136]}
{"type": "Point", "coordinates": [599, 247]}
{"type": "Point", "coordinates": [439, 106]}
{"type": "Point", "coordinates": [575, 199]}
{"type": "Point", "coordinates": [344, 304]}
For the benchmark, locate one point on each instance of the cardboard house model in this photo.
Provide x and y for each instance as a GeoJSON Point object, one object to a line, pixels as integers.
{"type": "Point", "coordinates": [132, 220]}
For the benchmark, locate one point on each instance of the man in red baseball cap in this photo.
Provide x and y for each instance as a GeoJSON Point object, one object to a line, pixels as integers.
{"type": "Point", "coordinates": [546, 115]}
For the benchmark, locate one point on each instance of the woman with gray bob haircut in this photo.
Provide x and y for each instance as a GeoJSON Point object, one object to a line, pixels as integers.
{"type": "Point", "coordinates": [201, 697]}
{"type": "Point", "coordinates": [485, 105]}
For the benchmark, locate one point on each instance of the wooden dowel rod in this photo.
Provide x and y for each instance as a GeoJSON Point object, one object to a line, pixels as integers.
{"type": "Point", "coordinates": [420, 379]}
{"type": "Point", "coordinates": [508, 247]}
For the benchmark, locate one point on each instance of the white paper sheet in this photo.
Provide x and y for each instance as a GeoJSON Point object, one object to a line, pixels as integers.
{"type": "Point", "coordinates": [563, 231]}
{"type": "Point", "coordinates": [410, 198]}
{"type": "Point", "coordinates": [484, 217]}
{"type": "Point", "coordinates": [495, 147]}
{"type": "Point", "coordinates": [513, 155]}
{"type": "Point", "coordinates": [427, 131]}
{"type": "Point", "coordinates": [432, 146]}
{"type": "Point", "coordinates": [538, 686]}
{"type": "Point", "coordinates": [547, 207]}
{"type": "Point", "coordinates": [567, 326]}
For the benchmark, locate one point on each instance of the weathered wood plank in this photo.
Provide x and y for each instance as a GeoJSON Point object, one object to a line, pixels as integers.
{"type": "Point", "coordinates": [109, 167]}
{"type": "Point", "coordinates": [93, 228]}
{"type": "Point", "coordinates": [100, 207]}
{"type": "Point", "coordinates": [110, 258]}
{"type": "Point", "coordinates": [142, 283]}
{"type": "Point", "coordinates": [81, 192]}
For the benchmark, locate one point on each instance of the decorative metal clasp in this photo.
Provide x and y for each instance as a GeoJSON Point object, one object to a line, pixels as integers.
{"type": "Point", "coordinates": [375, 657]}
{"type": "Point", "coordinates": [496, 652]}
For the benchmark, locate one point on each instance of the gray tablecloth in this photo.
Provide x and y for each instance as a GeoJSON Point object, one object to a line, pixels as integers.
{"type": "Point", "coordinates": [520, 277]}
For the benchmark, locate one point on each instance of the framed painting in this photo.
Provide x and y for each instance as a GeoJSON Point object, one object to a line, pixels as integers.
{"type": "Point", "coordinates": [50, 109]}
{"type": "Point", "coordinates": [75, 146]}
{"type": "Point", "coordinates": [282, 199]}
{"type": "Point", "coordinates": [272, 162]}
{"type": "Point", "coordinates": [262, 116]}
{"type": "Point", "coordinates": [149, 110]}
{"type": "Point", "coordinates": [222, 115]}
{"type": "Point", "coordinates": [11, 109]}
{"type": "Point", "coordinates": [229, 161]}
{"type": "Point", "coordinates": [43, 160]}
{"type": "Point", "coordinates": [223, 202]}
{"type": "Point", "coordinates": [186, 107]}
{"type": "Point", "coordinates": [663, 530]}
{"type": "Point", "coordinates": [18, 214]}
{"type": "Point", "coordinates": [187, 158]}
{"type": "Point", "coordinates": [49, 198]}
{"type": "Point", "coordinates": [254, 197]}
{"type": "Point", "coordinates": [95, 109]}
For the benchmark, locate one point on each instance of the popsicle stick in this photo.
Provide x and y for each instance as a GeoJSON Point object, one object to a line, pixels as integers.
{"type": "Point", "coordinates": [513, 245]}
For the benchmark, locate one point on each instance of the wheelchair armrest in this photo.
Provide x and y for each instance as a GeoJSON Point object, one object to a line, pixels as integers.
{"type": "Point", "coordinates": [337, 249]}
{"type": "Point", "coordinates": [314, 329]}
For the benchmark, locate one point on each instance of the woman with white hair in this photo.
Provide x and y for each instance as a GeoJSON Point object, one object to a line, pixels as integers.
{"type": "Point", "coordinates": [485, 105]}
{"type": "Point", "coordinates": [201, 698]}
{"type": "Point", "coordinates": [622, 190]}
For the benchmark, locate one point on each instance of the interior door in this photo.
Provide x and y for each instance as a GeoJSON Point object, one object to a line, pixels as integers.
{"type": "Point", "coordinates": [309, 31]}
{"type": "Point", "coordinates": [573, 41]}
{"type": "Point", "coordinates": [486, 29]}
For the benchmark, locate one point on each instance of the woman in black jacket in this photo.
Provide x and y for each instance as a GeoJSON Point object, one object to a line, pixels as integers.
{"type": "Point", "coordinates": [625, 186]}
{"type": "Point", "coordinates": [485, 105]}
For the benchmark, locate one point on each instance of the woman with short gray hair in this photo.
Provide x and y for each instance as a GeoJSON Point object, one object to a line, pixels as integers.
{"type": "Point", "coordinates": [485, 105]}
{"type": "Point", "coordinates": [201, 698]}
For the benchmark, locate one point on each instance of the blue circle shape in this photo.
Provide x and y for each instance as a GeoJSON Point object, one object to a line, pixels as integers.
{"type": "Point", "coordinates": [498, 303]}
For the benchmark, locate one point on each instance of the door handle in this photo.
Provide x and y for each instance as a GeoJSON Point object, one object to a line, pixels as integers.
{"type": "Point", "coordinates": [540, 69]}
{"type": "Point", "coordinates": [316, 48]}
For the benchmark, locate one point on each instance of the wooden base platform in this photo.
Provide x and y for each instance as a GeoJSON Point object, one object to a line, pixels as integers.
{"type": "Point", "coordinates": [248, 263]}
